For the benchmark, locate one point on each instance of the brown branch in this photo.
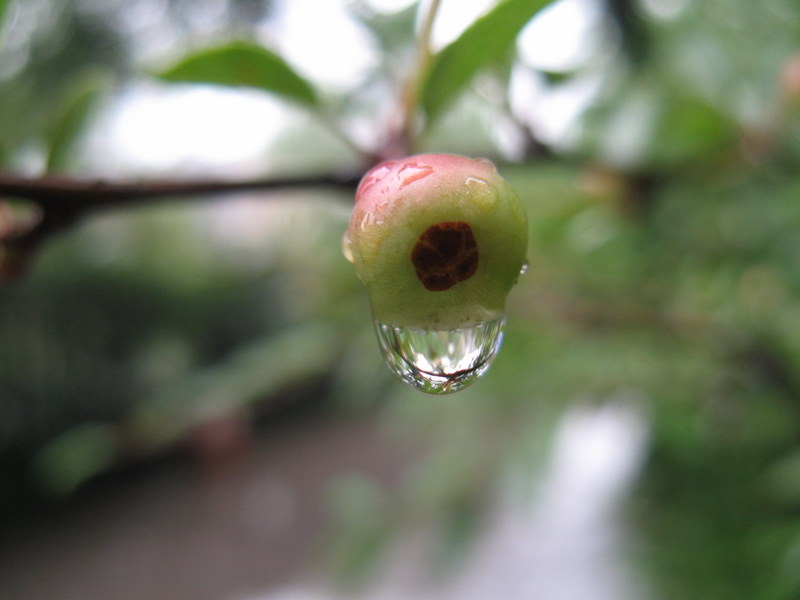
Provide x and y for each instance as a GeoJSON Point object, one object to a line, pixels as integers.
{"type": "Point", "coordinates": [64, 200]}
{"type": "Point", "coordinates": [69, 195]}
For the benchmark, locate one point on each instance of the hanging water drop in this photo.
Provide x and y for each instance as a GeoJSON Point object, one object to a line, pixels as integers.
{"type": "Point", "coordinates": [440, 361]}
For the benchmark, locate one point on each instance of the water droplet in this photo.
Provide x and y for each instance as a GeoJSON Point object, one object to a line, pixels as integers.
{"type": "Point", "coordinates": [346, 249]}
{"type": "Point", "coordinates": [413, 172]}
{"type": "Point", "coordinates": [375, 175]}
{"type": "Point", "coordinates": [480, 192]}
{"type": "Point", "coordinates": [524, 268]}
{"type": "Point", "coordinates": [440, 361]}
{"type": "Point", "coordinates": [367, 219]}
{"type": "Point", "coordinates": [472, 180]}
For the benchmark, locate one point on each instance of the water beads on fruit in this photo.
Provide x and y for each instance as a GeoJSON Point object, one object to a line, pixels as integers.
{"type": "Point", "coordinates": [438, 240]}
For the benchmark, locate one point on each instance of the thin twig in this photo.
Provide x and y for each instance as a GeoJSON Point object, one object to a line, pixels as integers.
{"type": "Point", "coordinates": [426, 32]}
{"type": "Point", "coordinates": [424, 56]}
{"type": "Point", "coordinates": [67, 194]}
{"type": "Point", "coordinates": [64, 200]}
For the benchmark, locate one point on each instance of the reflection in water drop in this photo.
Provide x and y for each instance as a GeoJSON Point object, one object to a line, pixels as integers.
{"type": "Point", "coordinates": [440, 361]}
{"type": "Point", "coordinates": [523, 269]}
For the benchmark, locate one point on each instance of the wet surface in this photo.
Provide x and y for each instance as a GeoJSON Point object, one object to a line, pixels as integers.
{"type": "Point", "coordinates": [568, 541]}
{"type": "Point", "coordinates": [412, 171]}
{"type": "Point", "coordinates": [247, 525]}
{"type": "Point", "coordinates": [198, 530]}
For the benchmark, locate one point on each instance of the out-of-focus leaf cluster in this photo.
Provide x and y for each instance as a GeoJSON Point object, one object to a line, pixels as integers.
{"type": "Point", "coordinates": [663, 272]}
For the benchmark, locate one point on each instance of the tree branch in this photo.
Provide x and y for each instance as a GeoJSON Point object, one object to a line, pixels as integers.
{"type": "Point", "coordinates": [69, 195]}
{"type": "Point", "coordinates": [64, 200]}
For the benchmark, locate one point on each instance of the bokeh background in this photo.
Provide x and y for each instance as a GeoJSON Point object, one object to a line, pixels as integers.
{"type": "Point", "coordinates": [192, 401]}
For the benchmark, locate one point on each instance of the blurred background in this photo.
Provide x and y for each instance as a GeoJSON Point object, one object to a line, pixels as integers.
{"type": "Point", "coordinates": [192, 401]}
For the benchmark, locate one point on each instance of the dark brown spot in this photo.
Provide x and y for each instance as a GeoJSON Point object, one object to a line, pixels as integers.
{"type": "Point", "coordinates": [445, 255]}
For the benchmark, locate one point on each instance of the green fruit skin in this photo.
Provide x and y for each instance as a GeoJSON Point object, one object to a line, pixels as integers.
{"type": "Point", "coordinates": [399, 200]}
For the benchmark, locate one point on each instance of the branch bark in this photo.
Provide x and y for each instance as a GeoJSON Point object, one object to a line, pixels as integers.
{"type": "Point", "coordinates": [80, 195]}
{"type": "Point", "coordinates": [64, 200]}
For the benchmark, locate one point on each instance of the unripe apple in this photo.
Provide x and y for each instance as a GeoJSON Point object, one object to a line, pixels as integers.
{"type": "Point", "coordinates": [438, 240]}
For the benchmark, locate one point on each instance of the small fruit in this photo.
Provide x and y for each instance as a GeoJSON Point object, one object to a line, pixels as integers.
{"type": "Point", "coordinates": [438, 240]}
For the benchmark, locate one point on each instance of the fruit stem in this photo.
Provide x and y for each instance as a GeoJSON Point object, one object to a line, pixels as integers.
{"type": "Point", "coordinates": [424, 56]}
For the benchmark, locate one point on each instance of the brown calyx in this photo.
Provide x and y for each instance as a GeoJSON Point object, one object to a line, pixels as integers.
{"type": "Point", "coordinates": [445, 255]}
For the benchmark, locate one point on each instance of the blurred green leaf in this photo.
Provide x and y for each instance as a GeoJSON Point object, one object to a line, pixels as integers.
{"type": "Point", "coordinates": [487, 40]}
{"type": "Point", "coordinates": [461, 524]}
{"type": "Point", "coordinates": [689, 129]}
{"type": "Point", "coordinates": [70, 123]}
{"type": "Point", "coordinates": [243, 64]}
{"type": "Point", "coordinates": [252, 374]}
{"type": "Point", "coordinates": [782, 479]}
{"type": "Point", "coordinates": [3, 5]}
{"type": "Point", "coordinates": [558, 77]}
{"type": "Point", "coordinates": [634, 35]}
{"type": "Point", "coordinates": [75, 456]}
{"type": "Point", "coordinates": [360, 514]}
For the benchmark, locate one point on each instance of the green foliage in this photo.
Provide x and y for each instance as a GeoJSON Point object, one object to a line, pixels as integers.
{"type": "Point", "coordinates": [361, 527]}
{"type": "Point", "coordinates": [198, 337]}
{"type": "Point", "coordinates": [663, 249]}
{"type": "Point", "coordinates": [487, 40]}
{"type": "Point", "coordinates": [71, 123]}
{"type": "Point", "coordinates": [46, 69]}
{"type": "Point", "coordinates": [243, 64]}
{"type": "Point", "coordinates": [75, 456]}
{"type": "Point", "coordinates": [239, 381]}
